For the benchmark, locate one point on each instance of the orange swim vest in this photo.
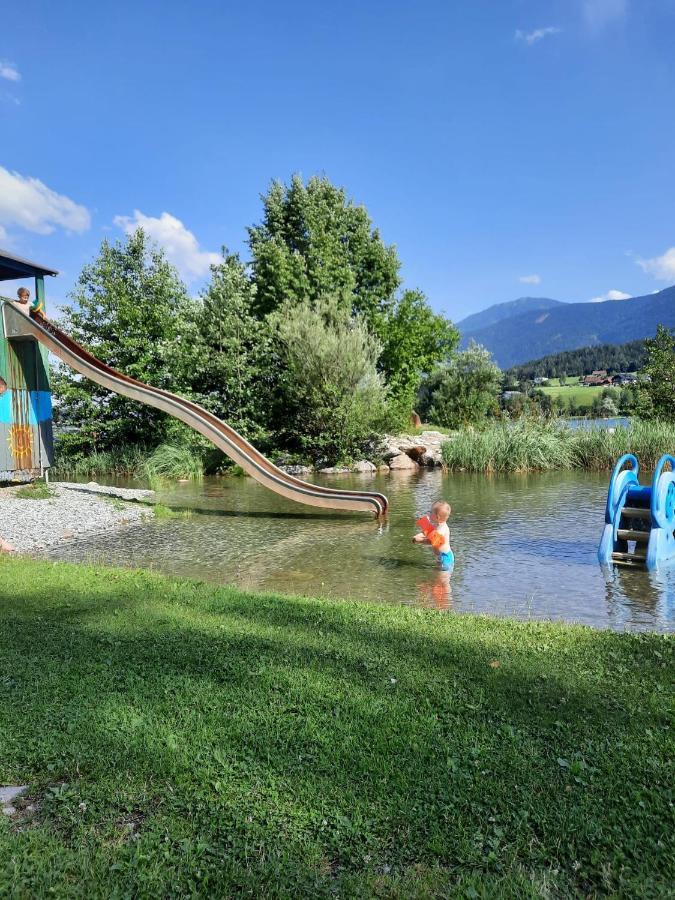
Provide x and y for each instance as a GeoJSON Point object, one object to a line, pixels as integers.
{"type": "Point", "coordinates": [435, 539]}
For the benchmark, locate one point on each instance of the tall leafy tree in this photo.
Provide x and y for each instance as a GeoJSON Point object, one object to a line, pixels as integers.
{"type": "Point", "coordinates": [657, 385]}
{"type": "Point", "coordinates": [314, 241]}
{"type": "Point", "coordinates": [415, 340]}
{"type": "Point", "coordinates": [131, 310]}
{"type": "Point", "coordinates": [233, 368]}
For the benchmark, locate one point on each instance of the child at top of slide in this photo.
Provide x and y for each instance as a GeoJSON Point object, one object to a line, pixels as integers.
{"type": "Point", "coordinates": [22, 300]}
{"type": "Point", "coordinates": [440, 513]}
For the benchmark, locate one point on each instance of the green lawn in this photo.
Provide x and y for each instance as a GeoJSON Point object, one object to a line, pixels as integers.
{"type": "Point", "coordinates": [580, 396]}
{"type": "Point", "coordinates": [181, 739]}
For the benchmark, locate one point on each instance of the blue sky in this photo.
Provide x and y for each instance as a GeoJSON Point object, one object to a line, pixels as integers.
{"type": "Point", "coordinates": [490, 141]}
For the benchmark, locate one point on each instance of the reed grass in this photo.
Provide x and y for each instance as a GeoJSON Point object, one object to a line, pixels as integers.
{"type": "Point", "coordinates": [173, 461]}
{"type": "Point", "coordinates": [127, 462]}
{"type": "Point", "coordinates": [166, 462]}
{"type": "Point", "coordinates": [540, 446]}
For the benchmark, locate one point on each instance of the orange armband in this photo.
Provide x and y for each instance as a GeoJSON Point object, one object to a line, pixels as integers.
{"type": "Point", "coordinates": [435, 539]}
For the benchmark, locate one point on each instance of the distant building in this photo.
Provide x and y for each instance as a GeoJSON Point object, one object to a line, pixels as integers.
{"type": "Point", "coordinates": [623, 378]}
{"type": "Point", "coordinates": [540, 379]}
{"type": "Point", "coordinates": [596, 378]}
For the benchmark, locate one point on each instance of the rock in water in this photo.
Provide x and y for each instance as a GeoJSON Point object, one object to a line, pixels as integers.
{"type": "Point", "coordinates": [402, 463]}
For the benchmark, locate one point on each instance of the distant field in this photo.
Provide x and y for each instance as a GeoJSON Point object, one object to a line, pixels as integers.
{"type": "Point", "coordinates": [581, 396]}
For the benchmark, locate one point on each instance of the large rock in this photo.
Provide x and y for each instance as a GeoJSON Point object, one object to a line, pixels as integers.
{"type": "Point", "coordinates": [409, 443]}
{"type": "Point", "coordinates": [431, 459]}
{"type": "Point", "coordinates": [403, 463]}
{"type": "Point", "coordinates": [390, 450]}
{"type": "Point", "coordinates": [296, 470]}
{"type": "Point", "coordinates": [364, 466]}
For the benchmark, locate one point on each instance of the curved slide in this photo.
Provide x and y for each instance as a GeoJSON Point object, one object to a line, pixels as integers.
{"type": "Point", "coordinates": [225, 438]}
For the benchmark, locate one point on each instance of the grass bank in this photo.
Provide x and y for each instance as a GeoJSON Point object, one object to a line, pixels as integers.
{"type": "Point", "coordinates": [533, 445]}
{"type": "Point", "coordinates": [182, 739]}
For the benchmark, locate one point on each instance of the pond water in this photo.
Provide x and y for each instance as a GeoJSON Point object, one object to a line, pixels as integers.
{"type": "Point", "coordinates": [591, 424]}
{"type": "Point", "coordinates": [525, 546]}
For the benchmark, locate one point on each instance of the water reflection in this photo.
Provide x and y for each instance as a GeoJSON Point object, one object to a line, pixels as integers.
{"type": "Point", "coordinates": [525, 546]}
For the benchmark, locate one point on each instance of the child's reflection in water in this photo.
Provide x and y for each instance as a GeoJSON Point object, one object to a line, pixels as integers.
{"type": "Point", "coordinates": [436, 593]}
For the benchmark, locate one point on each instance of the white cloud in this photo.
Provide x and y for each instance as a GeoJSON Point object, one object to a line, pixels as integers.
{"type": "Point", "coordinates": [599, 13]}
{"type": "Point", "coordinates": [30, 204]}
{"type": "Point", "coordinates": [530, 279]}
{"type": "Point", "coordinates": [611, 295]}
{"type": "Point", "coordinates": [531, 37]}
{"type": "Point", "coordinates": [661, 267]}
{"type": "Point", "coordinates": [181, 246]}
{"type": "Point", "coordinates": [9, 71]}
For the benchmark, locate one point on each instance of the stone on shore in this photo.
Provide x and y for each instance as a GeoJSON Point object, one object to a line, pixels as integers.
{"type": "Point", "coordinates": [335, 470]}
{"type": "Point", "coordinates": [390, 450]}
{"type": "Point", "coordinates": [364, 466]}
{"type": "Point", "coordinates": [8, 795]}
{"type": "Point", "coordinates": [424, 448]}
{"type": "Point", "coordinates": [296, 470]}
{"type": "Point", "coordinates": [403, 463]}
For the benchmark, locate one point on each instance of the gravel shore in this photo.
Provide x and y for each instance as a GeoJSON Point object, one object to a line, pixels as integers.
{"type": "Point", "coordinates": [72, 511]}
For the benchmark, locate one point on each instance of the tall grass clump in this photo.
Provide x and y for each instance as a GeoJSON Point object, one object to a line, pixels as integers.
{"type": "Point", "coordinates": [521, 446]}
{"type": "Point", "coordinates": [126, 462]}
{"type": "Point", "coordinates": [172, 461]}
{"type": "Point", "coordinates": [647, 439]}
{"type": "Point", "coordinates": [540, 446]}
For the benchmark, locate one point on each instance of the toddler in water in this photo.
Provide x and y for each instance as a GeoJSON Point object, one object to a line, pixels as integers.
{"type": "Point", "coordinates": [440, 513]}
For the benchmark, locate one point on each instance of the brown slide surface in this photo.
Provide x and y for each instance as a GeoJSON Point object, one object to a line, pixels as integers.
{"type": "Point", "coordinates": [18, 325]}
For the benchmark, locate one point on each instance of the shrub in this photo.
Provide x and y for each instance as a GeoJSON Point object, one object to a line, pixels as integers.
{"type": "Point", "coordinates": [334, 402]}
{"type": "Point", "coordinates": [462, 392]}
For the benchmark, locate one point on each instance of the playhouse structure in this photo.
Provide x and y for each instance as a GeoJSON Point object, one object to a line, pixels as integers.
{"type": "Point", "coordinates": [26, 437]}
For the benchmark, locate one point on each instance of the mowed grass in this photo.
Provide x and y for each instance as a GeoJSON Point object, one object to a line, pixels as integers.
{"type": "Point", "coordinates": [580, 396]}
{"type": "Point", "coordinates": [181, 740]}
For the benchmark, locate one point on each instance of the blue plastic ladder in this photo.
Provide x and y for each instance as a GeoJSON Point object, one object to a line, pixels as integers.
{"type": "Point", "coordinates": [639, 520]}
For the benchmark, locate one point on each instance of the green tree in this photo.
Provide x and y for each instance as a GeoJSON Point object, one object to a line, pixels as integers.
{"type": "Point", "coordinates": [133, 312]}
{"type": "Point", "coordinates": [657, 382]}
{"type": "Point", "coordinates": [313, 241]}
{"type": "Point", "coordinates": [233, 366]}
{"type": "Point", "coordinates": [415, 340]}
{"type": "Point", "coordinates": [464, 391]}
{"type": "Point", "coordinates": [333, 399]}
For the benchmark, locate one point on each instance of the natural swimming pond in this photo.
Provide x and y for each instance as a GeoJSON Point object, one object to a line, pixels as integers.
{"type": "Point", "coordinates": [525, 546]}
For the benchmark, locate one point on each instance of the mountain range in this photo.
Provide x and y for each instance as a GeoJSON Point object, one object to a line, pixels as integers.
{"type": "Point", "coordinates": [530, 327]}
